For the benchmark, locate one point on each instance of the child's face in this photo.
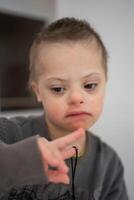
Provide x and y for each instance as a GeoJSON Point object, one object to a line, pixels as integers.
{"type": "Point", "coordinates": [71, 86]}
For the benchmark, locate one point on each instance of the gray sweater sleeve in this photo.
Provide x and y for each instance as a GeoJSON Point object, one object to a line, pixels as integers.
{"type": "Point", "coordinates": [20, 161]}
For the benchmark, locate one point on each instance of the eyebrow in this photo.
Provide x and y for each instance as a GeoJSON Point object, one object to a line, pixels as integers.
{"type": "Point", "coordinates": [92, 75]}
{"type": "Point", "coordinates": [55, 78]}
{"type": "Point", "coordinates": [63, 80]}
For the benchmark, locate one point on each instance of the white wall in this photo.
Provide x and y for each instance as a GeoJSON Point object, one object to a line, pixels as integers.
{"type": "Point", "coordinates": [34, 8]}
{"type": "Point", "coordinates": [114, 20]}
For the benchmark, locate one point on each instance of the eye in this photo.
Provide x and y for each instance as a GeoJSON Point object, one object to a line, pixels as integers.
{"type": "Point", "coordinates": [58, 90]}
{"type": "Point", "coordinates": [91, 86]}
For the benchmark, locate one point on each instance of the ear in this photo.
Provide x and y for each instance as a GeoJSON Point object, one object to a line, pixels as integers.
{"type": "Point", "coordinates": [35, 88]}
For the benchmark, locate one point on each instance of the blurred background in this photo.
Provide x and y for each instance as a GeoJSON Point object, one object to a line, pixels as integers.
{"type": "Point", "coordinates": [114, 21]}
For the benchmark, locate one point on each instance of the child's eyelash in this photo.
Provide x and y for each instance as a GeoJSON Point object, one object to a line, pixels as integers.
{"type": "Point", "coordinates": [58, 89]}
{"type": "Point", "coordinates": [90, 86]}
{"type": "Point", "coordinates": [61, 89]}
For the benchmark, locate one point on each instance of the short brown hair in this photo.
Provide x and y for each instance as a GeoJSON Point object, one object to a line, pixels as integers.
{"type": "Point", "coordinates": [65, 30]}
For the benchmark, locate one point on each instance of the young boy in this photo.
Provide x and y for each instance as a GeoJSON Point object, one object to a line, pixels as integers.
{"type": "Point", "coordinates": [54, 156]}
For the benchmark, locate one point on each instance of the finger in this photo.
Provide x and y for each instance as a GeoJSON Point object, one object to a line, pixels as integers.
{"type": "Point", "coordinates": [46, 152]}
{"type": "Point", "coordinates": [61, 165]}
{"type": "Point", "coordinates": [68, 153]}
{"type": "Point", "coordinates": [57, 177]}
{"type": "Point", "coordinates": [69, 139]}
{"type": "Point", "coordinates": [51, 155]}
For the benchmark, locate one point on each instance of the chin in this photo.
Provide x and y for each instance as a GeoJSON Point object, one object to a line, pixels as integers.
{"type": "Point", "coordinates": [75, 127]}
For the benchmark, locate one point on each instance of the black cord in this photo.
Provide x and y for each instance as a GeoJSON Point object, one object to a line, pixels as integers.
{"type": "Point", "coordinates": [73, 167]}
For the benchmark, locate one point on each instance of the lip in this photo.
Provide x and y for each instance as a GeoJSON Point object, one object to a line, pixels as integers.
{"type": "Point", "coordinates": [77, 113]}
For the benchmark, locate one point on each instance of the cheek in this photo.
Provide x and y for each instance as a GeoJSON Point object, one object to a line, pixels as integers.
{"type": "Point", "coordinates": [97, 105]}
{"type": "Point", "coordinates": [53, 109]}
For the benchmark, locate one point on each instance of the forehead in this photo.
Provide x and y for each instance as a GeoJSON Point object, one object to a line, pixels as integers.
{"type": "Point", "coordinates": [72, 56]}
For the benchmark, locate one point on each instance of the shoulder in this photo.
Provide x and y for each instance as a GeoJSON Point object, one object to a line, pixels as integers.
{"type": "Point", "coordinates": [109, 166]}
{"type": "Point", "coordinates": [105, 152]}
{"type": "Point", "coordinates": [17, 128]}
{"type": "Point", "coordinates": [108, 172]}
{"type": "Point", "coordinates": [106, 160]}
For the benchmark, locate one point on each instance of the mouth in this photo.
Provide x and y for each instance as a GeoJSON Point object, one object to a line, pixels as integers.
{"type": "Point", "coordinates": [78, 114]}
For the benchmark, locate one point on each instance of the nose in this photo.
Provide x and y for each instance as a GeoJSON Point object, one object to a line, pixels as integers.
{"type": "Point", "coordinates": [76, 97]}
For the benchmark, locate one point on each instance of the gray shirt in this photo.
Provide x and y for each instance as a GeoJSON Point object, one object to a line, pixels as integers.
{"type": "Point", "coordinates": [98, 176]}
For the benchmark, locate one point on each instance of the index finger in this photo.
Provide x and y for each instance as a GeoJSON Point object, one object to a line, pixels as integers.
{"type": "Point", "coordinates": [69, 139]}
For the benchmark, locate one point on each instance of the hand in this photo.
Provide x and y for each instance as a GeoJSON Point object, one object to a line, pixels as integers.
{"type": "Point", "coordinates": [55, 152]}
